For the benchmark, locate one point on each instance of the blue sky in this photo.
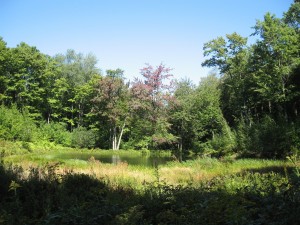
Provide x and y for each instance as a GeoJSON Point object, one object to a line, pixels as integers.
{"type": "Point", "coordinates": [127, 34]}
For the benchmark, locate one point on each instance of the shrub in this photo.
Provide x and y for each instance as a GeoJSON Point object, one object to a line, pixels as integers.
{"type": "Point", "coordinates": [15, 125]}
{"type": "Point", "coordinates": [48, 198]}
{"type": "Point", "coordinates": [83, 138]}
{"type": "Point", "coordinates": [223, 145]}
{"type": "Point", "coordinates": [267, 138]}
{"type": "Point", "coordinates": [55, 132]}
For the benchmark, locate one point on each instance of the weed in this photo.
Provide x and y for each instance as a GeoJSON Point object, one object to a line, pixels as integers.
{"type": "Point", "coordinates": [294, 160]}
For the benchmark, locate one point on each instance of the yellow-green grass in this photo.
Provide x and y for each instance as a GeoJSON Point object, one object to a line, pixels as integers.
{"type": "Point", "coordinates": [191, 172]}
{"type": "Point", "coordinates": [195, 171]}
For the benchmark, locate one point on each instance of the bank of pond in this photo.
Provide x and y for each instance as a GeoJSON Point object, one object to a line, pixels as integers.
{"type": "Point", "coordinates": [69, 186]}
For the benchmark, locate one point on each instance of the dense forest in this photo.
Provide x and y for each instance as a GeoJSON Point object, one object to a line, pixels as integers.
{"type": "Point", "coordinates": [248, 107]}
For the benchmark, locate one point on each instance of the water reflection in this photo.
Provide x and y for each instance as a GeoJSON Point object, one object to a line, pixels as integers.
{"type": "Point", "coordinates": [115, 159]}
{"type": "Point", "coordinates": [131, 159]}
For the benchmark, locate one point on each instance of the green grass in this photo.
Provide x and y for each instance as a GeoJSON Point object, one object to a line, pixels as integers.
{"type": "Point", "coordinates": [191, 172]}
{"type": "Point", "coordinates": [49, 197]}
{"type": "Point", "coordinates": [195, 171]}
{"type": "Point", "coordinates": [50, 189]}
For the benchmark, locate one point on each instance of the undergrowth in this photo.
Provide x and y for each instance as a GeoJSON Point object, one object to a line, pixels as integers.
{"type": "Point", "coordinates": [45, 195]}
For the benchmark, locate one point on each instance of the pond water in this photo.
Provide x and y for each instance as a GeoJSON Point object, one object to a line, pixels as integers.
{"type": "Point", "coordinates": [110, 157]}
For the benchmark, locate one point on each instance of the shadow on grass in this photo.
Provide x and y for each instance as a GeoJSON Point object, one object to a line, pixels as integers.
{"type": "Point", "coordinates": [47, 198]}
{"type": "Point", "coordinates": [283, 170]}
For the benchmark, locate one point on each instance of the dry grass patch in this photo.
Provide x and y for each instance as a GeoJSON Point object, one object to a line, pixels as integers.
{"type": "Point", "coordinates": [184, 175]}
{"type": "Point", "coordinates": [119, 174]}
{"type": "Point", "coordinates": [176, 175]}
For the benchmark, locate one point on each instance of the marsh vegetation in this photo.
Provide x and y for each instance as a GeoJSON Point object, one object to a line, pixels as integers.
{"type": "Point", "coordinates": [200, 191]}
{"type": "Point", "coordinates": [225, 151]}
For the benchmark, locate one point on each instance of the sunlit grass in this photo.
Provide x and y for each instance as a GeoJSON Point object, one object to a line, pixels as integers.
{"type": "Point", "coordinates": [191, 172]}
{"type": "Point", "coordinates": [195, 171]}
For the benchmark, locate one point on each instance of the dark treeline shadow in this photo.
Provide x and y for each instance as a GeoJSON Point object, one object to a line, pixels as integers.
{"type": "Point", "coordinates": [45, 197]}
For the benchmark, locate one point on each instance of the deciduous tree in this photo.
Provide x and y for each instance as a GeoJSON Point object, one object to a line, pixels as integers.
{"type": "Point", "coordinates": [111, 104]}
{"type": "Point", "coordinates": [151, 98]}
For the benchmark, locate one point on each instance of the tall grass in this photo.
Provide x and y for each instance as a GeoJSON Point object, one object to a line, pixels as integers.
{"type": "Point", "coordinates": [191, 172]}
{"type": "Point", "coordinates": [49, 195]}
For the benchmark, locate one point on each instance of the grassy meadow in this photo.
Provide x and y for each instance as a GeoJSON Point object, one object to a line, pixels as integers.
{"type": "Point", "coordinates": [37, 187]}
{"type": "Point", "coordinates": [190, 172]}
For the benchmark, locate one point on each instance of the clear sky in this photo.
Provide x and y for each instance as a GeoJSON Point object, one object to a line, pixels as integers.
{"type": "Point", "coordinates": [127, 34]}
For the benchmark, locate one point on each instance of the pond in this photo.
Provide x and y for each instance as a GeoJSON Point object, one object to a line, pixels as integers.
{"type": "Point", "coordinates": [148, 160]}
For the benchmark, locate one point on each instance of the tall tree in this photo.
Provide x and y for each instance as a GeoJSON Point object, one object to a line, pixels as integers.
{"type": "Point", "coordinates": [230, 57]}
{"type": "Point", "coordinates": [151, 98]}
{"type": "Point", "coordinates": [275, 56]}
{"type": "Point", "coordinates": [29, 77]}
{"type": "Point", "coordinates": [181, 116]}
{"type": "Point", "coordinates": [208, 120]}
{"type": "Point", "coordinates": [292, 16]}
{"type": "Point", "coordinates": [111, 104]}
{"type": "Point", "coordinates": [77, 73]}
{"type": "Point", "coordinates": [4, 64]}
{"type": "Point", "coordinates": [292, 19]}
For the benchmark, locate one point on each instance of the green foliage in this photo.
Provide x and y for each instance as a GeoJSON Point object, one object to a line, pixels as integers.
{"type": "Point", "coordinates": [294, 158]}
{"type": "Point", "coordinates": [55, 132]}
{"type": "Point", "coordinates": [222, 145]}
{"type": "Point", "coordinates": [83, 138]}
{"type": "Point", "coordinates": [15, 125]}
{"type": "Point", "coordinates": [292, 16]}
{"type": "Point", "coordinates": [210, 132]}
{"type": "Point", "coordinates": [251, 108]}
{"type": "Point", "coordinates": [181, 116]}
{"type": "Point", "coordinates": [259, 85]}
{"type": "Point", "coordinates": [140, 144]}
{"type": "Point", "coordinates": [267, 138]}
{"type": "Point", "coordinates": [48, 198]}
{"type": "Point", "coordinates": [111, 105]}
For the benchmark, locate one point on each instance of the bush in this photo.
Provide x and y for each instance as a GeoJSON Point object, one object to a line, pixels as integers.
{"type": "Point", "coordinates": [142, 143]}
{"type": "Point", "coordinates": [48, 198]}
{"type": "Point", "coordinates": [83, 138]}
{"type": "Point", "coordinates": [15, 125]}
{"type": "Point", "coordinates": [267, 138]}
{"type": "Point", "coordinates": [223, 145]}
{"type": "Point", "coordinates": [55, 132]}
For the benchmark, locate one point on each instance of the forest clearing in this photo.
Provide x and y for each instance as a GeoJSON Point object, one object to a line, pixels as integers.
{"type": "Point", "coordinates": [83, 146]}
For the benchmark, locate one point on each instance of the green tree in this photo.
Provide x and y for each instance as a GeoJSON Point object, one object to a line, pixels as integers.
{"type": "Point", "coordinates": [260, 86]}
{"type": "Point", "coordinates": [274, 58]}
{"type": "Point", "coordinates": [4, 63]}
{"type": "Point", "coordinates": [15, 125]}
{"type": "Point", "coordinates": [29, 78]}
{"type": "Point", "coordinates": [111, 105]}
{"type": "Point", "coordinates": [230, 57]}
{"type": "Point", "coordinates": [74, 89]}
{"type": "Point", "coordinates": [292, 19]}
{"type": "Point", "coordinates": [208, 121]}
{"type": "Point", "coordinates": [77, 68]}
{"type": "Point", "coordinates": [181, 116]}
{"type": "Point", "coordinates": [292, 16]}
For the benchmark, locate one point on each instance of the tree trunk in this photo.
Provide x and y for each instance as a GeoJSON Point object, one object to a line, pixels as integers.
{"type": "Point", "coordinates": [72, 108]}
{"type": "Point", "coordinates": [79, 115]}
{"type": "Point", "coordinates": [120, 136]}
{"type": "Point", "coordinates": [295, 109]}
{"type": "Point", "coordinates": [48, 118]}
{"type": "Point", "coordinates": [180, 150]}
{"type": "Point", "coordinates": [114, 138]}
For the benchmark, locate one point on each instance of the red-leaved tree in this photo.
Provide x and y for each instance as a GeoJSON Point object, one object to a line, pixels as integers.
{"type": "Point", "coordinates": [151, 99]}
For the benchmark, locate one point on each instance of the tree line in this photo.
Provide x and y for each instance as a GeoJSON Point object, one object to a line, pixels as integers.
{"type": "Point", "coordinates": [249, 107]}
